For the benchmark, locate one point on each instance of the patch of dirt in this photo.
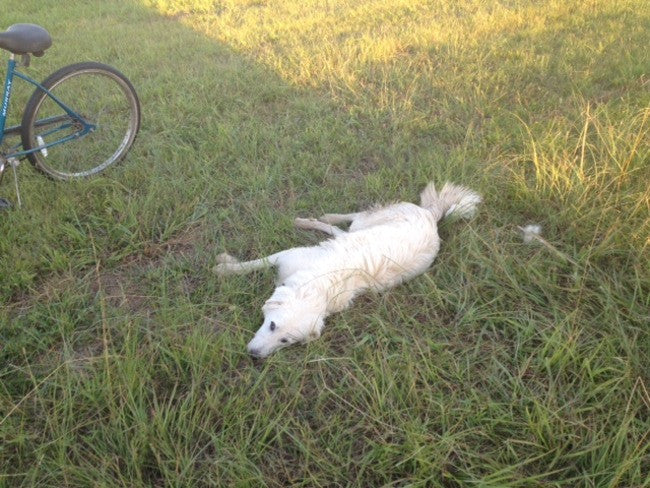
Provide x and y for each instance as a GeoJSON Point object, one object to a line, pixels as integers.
{"type": "Point", "coordinates": [182, 245]}
{"type": "Point", "coordinates": [122, 286]}
{"type": "Point", "coordinates": [121, 289]}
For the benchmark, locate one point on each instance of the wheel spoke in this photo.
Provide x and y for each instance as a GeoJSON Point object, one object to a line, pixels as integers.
{"type": "Point", "coordinates": [99, 95]}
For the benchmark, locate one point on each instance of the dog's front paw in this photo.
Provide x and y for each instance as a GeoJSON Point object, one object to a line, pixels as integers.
{"type": "Point", "coordinates": [225, 264]}
{"type": "Point", "coordinates": [224, 257]}
{"type": "Point", "coordinates": [222, 269]}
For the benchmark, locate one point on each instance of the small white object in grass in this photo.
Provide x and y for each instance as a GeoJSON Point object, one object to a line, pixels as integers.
{"type": "Point", "coordinates": [531, 232]}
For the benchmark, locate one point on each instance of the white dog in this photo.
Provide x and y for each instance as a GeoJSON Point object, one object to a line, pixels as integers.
{"type": "Point", "coordinates": [383, 247]}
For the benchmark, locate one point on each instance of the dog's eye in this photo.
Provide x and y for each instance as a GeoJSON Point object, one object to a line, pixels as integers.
{"type": "Point", "coordinates": [272, 326]}
{"type": "Point", "coordinates": [284, 340]}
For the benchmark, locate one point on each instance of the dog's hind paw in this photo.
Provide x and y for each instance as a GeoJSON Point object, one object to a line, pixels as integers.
{"type": "Point", "coordinates": [302, 223]}
{"type": "Point", "coordinates": [330, 219]}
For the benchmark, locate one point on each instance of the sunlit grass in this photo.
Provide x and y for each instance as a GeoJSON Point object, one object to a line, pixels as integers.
{"type": "Point", "coordinates": [507, 364]}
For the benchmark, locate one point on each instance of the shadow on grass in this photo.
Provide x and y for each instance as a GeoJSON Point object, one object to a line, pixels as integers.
{"type": "Point", "coordinates": [125, 358]}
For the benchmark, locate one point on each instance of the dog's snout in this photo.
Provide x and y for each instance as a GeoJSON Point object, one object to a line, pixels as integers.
{"type": "Point", "coordinates": [257, 353]}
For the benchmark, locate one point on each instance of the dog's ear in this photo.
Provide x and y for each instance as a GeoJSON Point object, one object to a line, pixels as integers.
{"type": "Point", "coordinates": [280, 296]}
{"type": "Point", "coordinates": [271, 304]}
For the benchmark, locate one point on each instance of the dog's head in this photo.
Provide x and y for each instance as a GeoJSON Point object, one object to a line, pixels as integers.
{"type": "Point", "coordinates": [288, 318]}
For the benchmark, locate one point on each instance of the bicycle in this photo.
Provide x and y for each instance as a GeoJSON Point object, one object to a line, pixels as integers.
{"type": "Point", "coordinates": [80, 120]}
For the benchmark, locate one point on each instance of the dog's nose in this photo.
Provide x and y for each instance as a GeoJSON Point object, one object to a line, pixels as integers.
{"type": "Point", "coordinates": [257, 353]}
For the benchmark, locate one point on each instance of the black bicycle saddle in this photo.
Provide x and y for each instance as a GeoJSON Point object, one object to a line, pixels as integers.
{"type": "Point", "coordinates": [25, 39]}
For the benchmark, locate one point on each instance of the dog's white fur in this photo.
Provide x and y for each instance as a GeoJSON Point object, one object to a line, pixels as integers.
{"type": "Point", "coordinates": [383, 247]}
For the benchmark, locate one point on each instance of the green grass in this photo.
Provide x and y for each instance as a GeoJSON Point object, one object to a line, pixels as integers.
{"type": "Point", "coordinates": [122, 358]}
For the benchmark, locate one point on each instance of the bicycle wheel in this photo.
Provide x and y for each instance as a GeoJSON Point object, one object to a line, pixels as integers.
{"type": "Point", "coordinates": [103, 97]}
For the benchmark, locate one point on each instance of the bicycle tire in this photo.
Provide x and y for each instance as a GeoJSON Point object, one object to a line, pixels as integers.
{"type": "Point", "coordinates": [104, 97]}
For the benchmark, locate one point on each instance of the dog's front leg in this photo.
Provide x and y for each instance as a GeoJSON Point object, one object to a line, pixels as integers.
{"type": "Point", "coordinates": [230, 265]}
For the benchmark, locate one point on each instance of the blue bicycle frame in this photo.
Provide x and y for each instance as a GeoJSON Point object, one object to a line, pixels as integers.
{"type": "Point", "coordinates": [68, 120]}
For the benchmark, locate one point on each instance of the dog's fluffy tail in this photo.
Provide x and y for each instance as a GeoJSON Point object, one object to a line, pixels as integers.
{"type": "Point", "coordinates": [452, 199]}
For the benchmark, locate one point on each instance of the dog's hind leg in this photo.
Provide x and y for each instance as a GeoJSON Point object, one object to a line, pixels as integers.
{"type": "Point", "coordinates": [338, 218]}
{"type": "Point", "coordinates": [313, 224]}
{"type": "Point", "coordinates": [230, 265]}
